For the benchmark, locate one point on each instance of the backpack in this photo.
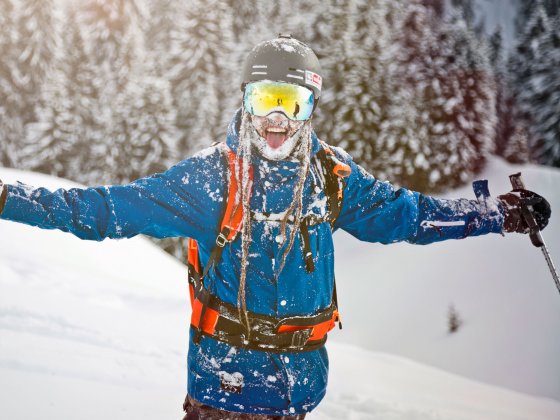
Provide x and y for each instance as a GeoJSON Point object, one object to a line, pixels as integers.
{"type": "Point", "coordinates": [220, 320]}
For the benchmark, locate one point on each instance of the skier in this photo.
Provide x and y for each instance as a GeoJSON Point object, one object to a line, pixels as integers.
{"type": "Point", "coordinates": [261, 209]}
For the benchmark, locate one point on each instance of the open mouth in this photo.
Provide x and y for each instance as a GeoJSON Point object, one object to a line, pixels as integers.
{"type": "Point", "coordinates": [275, 137]}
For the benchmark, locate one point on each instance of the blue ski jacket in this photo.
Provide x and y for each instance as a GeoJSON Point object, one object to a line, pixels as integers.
{"type": "Point", "coordinates": [187, 201]}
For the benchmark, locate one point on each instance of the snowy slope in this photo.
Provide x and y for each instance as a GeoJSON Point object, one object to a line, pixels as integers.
{"type": "Point", "coordinates": [90, 331]}
{"type": "Point", "coordinates": [500, 286]}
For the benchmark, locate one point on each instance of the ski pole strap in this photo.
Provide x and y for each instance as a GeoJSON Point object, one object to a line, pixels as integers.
{"type": "Point", "coordinates": [292, 334]}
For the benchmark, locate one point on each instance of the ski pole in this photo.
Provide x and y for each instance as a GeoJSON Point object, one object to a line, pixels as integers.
{"type": "Point", "coordinates": [534, 231]}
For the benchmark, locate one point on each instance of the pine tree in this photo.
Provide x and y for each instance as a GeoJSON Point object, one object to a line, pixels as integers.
{"type": "Point", "coordinates": [144, 133]}
{"type": "Point", "coordinates": [29, 37]}
{"type": "Point", "coordinates": [196, 73]}
{"type": "Point", "coordinates": [517, 148]}
{"type": "Point", "coordinates": [468, 58]}
{"type": "Point", "coordinates": [116, 52]}
{"type": "Point", "coordinates": [36, 43]}
{"type": "Point", "coordinates": [508, 120]}
{"type": "Point", "coordinates": [252, 22]}
{"type": "Point", "coordinates": [465, 9]}
{"type": "Point", "coordinates": [161, 24]}
{"type": "Point", "coordinates": [537, 84]}
{"type": "Point", "coordinates": [415, 146]}
{"type": "Point", "coordinates": [356, 43]}
{"type": "Point", "coordinates": [437, 6]}
{"type": "Point", "coordinates": [526, 8]}
{"type": "Point", "coordinates": [59, 142]}
{"type": "Point", "coordinates": [11, 123]}
{"type": "Point", "coordinates": [439, 130]}
{"type": "Point", "coordinates": [454, 321]}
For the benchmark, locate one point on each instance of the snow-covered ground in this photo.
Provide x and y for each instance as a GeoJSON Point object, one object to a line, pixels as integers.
{"type": "Point", "coordinates": [396, 298]}
{"type": "Point", "coordinates": [90, 331]}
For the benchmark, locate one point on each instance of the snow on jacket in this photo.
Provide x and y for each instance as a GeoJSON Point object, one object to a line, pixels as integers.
{"type": "Point", "coordinates": [188, 199]}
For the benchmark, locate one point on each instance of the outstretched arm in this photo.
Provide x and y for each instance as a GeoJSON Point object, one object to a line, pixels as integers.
{"type": "Point", "coordinates": [376, 211]}
{"type": "Point", "coordinates": [173, 203]}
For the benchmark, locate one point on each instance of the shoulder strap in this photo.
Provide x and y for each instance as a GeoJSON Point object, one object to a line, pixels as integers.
{"type": "Point", "coordinates": [233, 215]}
{"type": "Point", "coordinates": [230, 226]}
{"type": "Point", "coordinates": [334, 173]}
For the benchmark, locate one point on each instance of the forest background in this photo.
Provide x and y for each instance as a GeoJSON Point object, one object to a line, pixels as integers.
{"type": "Point", "coordinates": [418, 92]}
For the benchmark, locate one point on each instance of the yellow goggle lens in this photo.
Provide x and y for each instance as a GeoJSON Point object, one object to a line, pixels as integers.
{"type": "Point", "coordinates": [263, 98]}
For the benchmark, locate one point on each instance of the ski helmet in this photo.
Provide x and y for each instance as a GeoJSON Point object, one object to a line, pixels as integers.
{"type": "Point", "coordinates": [284, 59]}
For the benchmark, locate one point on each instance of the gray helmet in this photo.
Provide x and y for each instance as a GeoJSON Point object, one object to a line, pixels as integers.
{"type": "Point", "coordinates": [284, 59]}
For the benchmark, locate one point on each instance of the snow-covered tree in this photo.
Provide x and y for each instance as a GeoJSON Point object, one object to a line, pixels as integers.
{"type": "Point", "coordinates": [161, 24]}
{"type": "Point", "coordinates": [143, 134]}
{"type": "Point", "coordinates": [115, 46]}
{"type": "Point", "coordinates": [112, 33]}
{"type": "Point", "coordinates": [252, 22]}
{"type": "Point", "coordinates": [537, 84]}
{"type": "Point", "coordinates": [441, 122]}
{"type": "Point", "coordinates": [60, 141]}
{"type": "Point", "coordinates": [196, 72]}
{"type": "Point", "coordinates": [437, 6]}
{"type": "Point", "coordinates": [465, 9]}
{"type": "Point", "coordinates": [508, 119]}
{"type": "Point", "coordinates": [454, 321]}
{"type": "Point", "coordinates": [28, 38]}
{"type": "Point", "coordinates": [11, 123]}
{"type": "Point", "coordinates": [526, 8]}
{"type": "Point", "coordinates": [37, 41]}
{"type": "Point", "coordinates": [356, 95]}
{"type": "Point", "coordinates": [517, 148]}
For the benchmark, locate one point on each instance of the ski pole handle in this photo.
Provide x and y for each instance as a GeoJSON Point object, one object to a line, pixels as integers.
{"type": "Point", "coordinates": [527, 213]}
{"type": "Point", "coordinates": [516, 181]}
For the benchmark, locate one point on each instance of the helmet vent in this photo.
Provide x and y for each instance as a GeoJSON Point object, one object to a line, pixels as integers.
{"type": "Point", "coordinates": [293, 76]}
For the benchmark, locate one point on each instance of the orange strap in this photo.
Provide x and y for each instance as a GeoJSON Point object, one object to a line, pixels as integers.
{"type": "Point", "coordinates": [340, 169]}
{"type": "Point", "coordinates": [318, 331]}
{"type": "Point", "coordinates": [233, 216]}
{"type": "Point", "coordinates": [210, 315]}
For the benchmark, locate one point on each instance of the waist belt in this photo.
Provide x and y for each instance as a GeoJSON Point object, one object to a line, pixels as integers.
{"type": "Point", "coordinates": [221, 321]}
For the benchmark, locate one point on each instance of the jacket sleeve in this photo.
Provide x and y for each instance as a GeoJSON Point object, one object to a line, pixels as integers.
{"type": "Point", "coordinates": [376, 211]}
{"type": "Point", "coordinates": [178, 202]}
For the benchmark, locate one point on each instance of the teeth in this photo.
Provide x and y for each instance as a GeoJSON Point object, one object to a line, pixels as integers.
{"type": "Point", "coordinates": [276, 130]}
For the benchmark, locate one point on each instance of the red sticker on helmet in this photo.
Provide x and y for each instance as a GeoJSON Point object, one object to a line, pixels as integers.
{"type": "Point", "coordinates": [313, 79]}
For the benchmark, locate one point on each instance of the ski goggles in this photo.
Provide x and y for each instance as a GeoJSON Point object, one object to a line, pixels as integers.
{"type": "Point", "coordinates": [264, 97]}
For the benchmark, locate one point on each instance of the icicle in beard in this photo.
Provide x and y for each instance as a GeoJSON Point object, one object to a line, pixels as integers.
{"type": "Point", "coordinates": [296, 148]}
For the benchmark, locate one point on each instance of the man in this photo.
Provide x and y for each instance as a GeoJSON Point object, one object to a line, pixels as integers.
{"type": "Point", "coordinates": [261, 210]}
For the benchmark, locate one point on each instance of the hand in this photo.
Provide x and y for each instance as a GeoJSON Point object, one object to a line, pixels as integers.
{"type": "Point", "coordinates": [512, 203]}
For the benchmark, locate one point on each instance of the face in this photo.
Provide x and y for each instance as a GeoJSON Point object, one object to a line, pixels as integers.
{"type": "Point", "coordinates": [275, 128]}
{"type": "Point", "coordinates": [277, 136]}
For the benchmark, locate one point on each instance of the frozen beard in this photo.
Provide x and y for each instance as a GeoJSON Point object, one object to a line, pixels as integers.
{"type": "Point", "coordinates": [300, 149]}
{"type": "Point", "coordinates": [275, 146]}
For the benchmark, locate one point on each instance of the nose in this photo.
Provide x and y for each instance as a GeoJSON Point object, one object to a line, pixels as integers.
{"type": "Point", "coordinates": [277, 118]}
